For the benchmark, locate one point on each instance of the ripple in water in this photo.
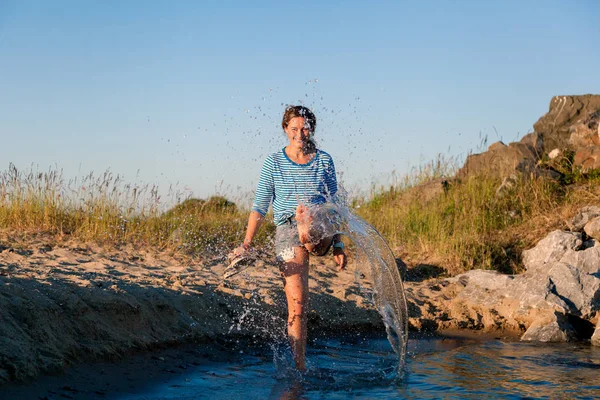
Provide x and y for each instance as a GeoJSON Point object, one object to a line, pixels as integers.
{"type": "Point", "coordinates": [343, 368]}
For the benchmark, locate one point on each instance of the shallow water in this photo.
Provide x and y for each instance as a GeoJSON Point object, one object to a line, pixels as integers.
{"type": "Point", "coordinates": [340, 368]}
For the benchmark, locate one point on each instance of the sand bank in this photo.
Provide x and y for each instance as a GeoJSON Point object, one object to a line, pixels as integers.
{"type": "Point", "coordinates": [64, 302]}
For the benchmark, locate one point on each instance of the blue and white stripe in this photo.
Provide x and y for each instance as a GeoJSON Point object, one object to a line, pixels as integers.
{"type": "Point", "coordinates": [288, 184]}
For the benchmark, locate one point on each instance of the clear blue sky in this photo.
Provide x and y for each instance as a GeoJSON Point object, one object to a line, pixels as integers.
{"type": "Point", "coordinates": [191, 93]}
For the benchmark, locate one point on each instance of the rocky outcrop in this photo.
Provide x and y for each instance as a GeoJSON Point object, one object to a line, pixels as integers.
{"type": "Point", "coordinates": [501, 160]}
{"type": "Point", "coordinates": [566, 117]}
{"type": "Point", "coordinates": [592, 228]}
{"type": "Point", "coordinates": [555, 300]}
{"type": "Point", "coordinates": [583, 216]}
{"type": "Point", "coordinates": [571, 124]}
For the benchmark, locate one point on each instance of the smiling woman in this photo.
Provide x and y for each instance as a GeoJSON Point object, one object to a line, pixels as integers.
{"type": "Point", "coordinates": [297, 180]}
{"type": "Point", "coordinates": [299, 124]}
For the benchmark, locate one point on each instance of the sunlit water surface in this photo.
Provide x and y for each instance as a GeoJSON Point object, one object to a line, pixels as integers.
{"type": "Point", "coordinates": [440, 368]}
{"type": "Point", "coordinates": [340, 368]}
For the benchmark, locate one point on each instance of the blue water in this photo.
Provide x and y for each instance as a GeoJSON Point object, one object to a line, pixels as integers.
{"type": "Point", "coordinates": [435, 369]}
{"type": "Point", "coordinates": [340, 368]}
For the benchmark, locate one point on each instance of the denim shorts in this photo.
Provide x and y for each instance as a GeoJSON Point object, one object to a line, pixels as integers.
{"type": "Point", "coordinates": [286, 240]}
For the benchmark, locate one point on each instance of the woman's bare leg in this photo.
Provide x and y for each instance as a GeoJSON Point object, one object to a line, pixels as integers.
{"type": "Point", "coordinates": [295, 276]}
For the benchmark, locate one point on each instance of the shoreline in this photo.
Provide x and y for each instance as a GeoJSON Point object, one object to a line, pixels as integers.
{"type": "Point", "coordinates": [69, 303]}
{"type": "Point", "coordinates": [173, 366]}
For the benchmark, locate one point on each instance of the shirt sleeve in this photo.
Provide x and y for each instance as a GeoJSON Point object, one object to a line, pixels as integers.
{"type": "Point", "coordinates": [265, 188]}
{"type": "Point", "coordinates": [330, 178]}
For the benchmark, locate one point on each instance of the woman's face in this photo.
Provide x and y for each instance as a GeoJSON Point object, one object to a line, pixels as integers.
{"type": "Point", "coordinates": [298, 132]}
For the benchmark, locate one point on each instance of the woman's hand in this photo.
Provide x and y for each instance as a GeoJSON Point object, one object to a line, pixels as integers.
{"type": "Point", "coordinates": [340, 258]}
{"type": "Point", "coordinates": [238, 251]}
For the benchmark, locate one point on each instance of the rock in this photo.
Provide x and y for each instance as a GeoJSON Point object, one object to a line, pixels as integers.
{"type": "Point", "coordinates": [551, 249]}
{"type": "Point", "coordinates": [555, 300]}
{"type": "Point", "coordinates": [498, 146]}
{"type": "Point", "coordinates": [576, 279]}
{"type": "Point", "coordinates": [596, 336]}
{"type": "Point", "coordinates": [572, 268]}
{"type": "Point", "coordinates": [584, 215]}
{"type": "Point", "coordinates": [564, 112]}
{"type": "Point", "coordinates": [551, 328]}
{"type": "Point", "coordinates": [554, 154]}
{"type": "Point", "coordinates": [588, 158]}
{"type": "Point", "coordinates": [592, 228]}
{"type": "Point", "coordinates": [488, 280]}
{"type": "Point", "coordinates": [586, 133]}
{"type": "Point", "coordinates": [535, 292]}
{"type": "Point", "coordinates": [572, 122]}
{"type": "Point", "coordinates": [501, 160]}
{"type": "Point", "coordinates": [535, 141]}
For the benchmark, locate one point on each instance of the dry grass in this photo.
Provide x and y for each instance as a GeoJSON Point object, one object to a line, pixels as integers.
{"type": "Point", "coordinates": [108, 211]}
{"type": "Point", "coordinates": [464, 226]}
{"type": "Point", "coordinates": [469, 225]}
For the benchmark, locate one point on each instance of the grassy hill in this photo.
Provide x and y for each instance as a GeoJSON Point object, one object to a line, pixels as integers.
{"type": "Point", "coordinates": [459, 226]}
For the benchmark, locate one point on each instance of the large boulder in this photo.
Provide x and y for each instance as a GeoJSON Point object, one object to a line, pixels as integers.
{"type": "Point", "coordinates": [568, 115]}
{"type": "Point", "coordinates": [552, 328]}
{"type": "Point", "coordinates": [586, 132]}
{"type": "Point", "coordinates": [572, 123]}
{"type": "Point", "coordinates": [501, 160]}
{"type": "Point", "coordinates": [583, 216]}
{"type": "Point", "coordinates": [592, 228]}
{"type": "Point", "coordinates": [557, 299]}
{"type": "Point", "coordinates": [550, 250]}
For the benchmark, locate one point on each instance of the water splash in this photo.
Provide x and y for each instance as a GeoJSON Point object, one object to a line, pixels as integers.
{"type": "Point", "coordinates": [374, 258]}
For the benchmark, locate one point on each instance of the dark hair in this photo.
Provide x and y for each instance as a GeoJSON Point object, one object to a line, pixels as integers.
{"type": "Point", "coordinates": [299, 111]}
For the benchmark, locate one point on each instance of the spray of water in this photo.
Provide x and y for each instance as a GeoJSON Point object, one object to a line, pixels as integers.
{"type": "Point", "coordinates": [374, 258]}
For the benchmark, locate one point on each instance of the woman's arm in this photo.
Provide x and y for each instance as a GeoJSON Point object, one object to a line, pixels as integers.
{"type": "Point", "coordinates": [262, 199]}
{"type": "Point", "coordinates": [254, 222]}
{"type": "Point", "coordinates": [331, 179]}
{"type": "Point", "coordinates": [339, 254]}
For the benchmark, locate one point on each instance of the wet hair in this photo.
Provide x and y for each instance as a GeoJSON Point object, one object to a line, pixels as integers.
{"type": "Point", "coordinates": [299, 111]}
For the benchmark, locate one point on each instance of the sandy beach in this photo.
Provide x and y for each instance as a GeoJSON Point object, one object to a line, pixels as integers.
{"type": "Point", "coordinates": [64, 303]}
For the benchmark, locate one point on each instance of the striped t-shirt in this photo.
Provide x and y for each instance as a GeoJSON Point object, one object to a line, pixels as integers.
{"type": "Point", "coordinates": [288, 184]}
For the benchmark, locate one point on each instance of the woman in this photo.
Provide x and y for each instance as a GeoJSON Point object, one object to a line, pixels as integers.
{"type": "Point", "coordinates": [296, 180]}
